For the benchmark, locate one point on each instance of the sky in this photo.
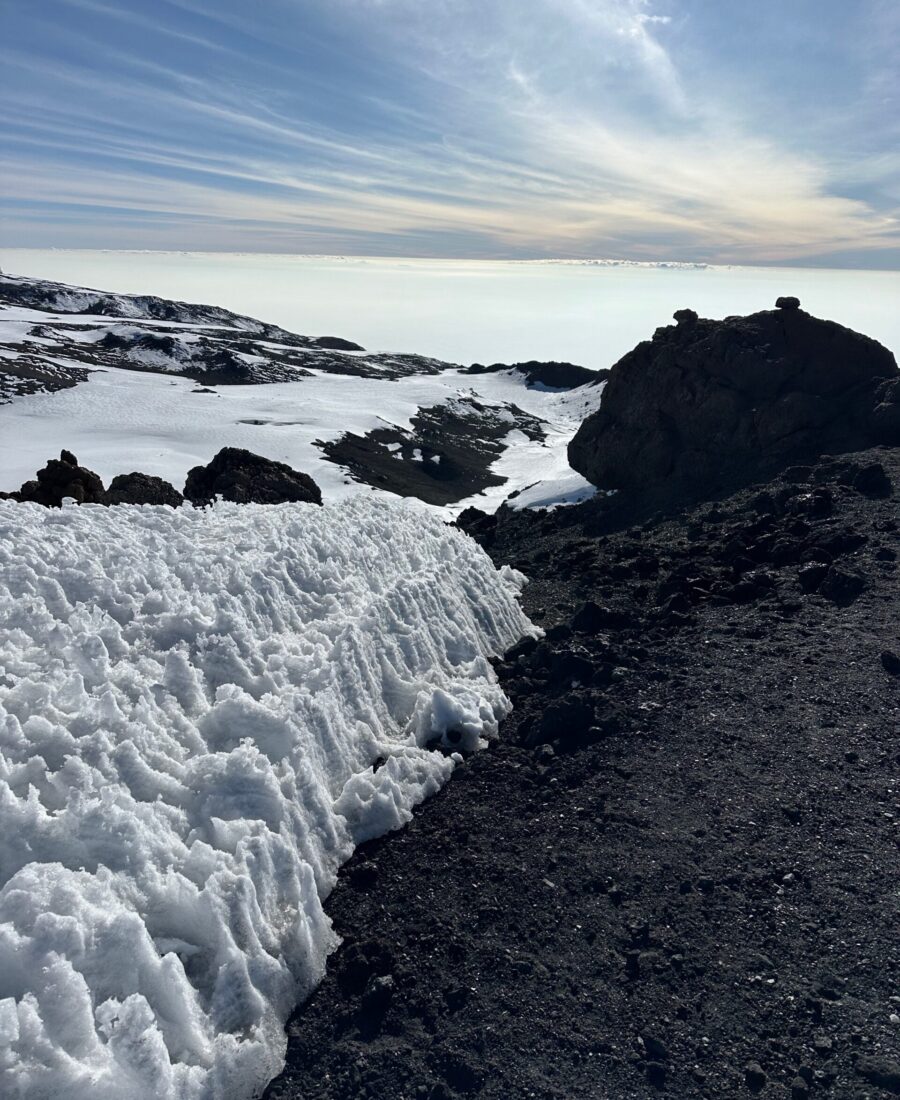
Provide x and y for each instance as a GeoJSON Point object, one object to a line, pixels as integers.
{"type": "Point", "coordinates": [718, 131]}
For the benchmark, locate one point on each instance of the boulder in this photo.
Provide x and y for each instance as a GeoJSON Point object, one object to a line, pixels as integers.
{"type": "Point", "coordinates": [62, 477]}
{"type": "Point", "coordinates": [706, 405]}
{"type": "Point", "coordinates": [247, 478]}
{"type": "Point", "coordinates": [137, 488]}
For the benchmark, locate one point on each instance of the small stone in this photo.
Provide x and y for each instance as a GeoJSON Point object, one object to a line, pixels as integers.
{"type": "Point", "coordinates": [755, 1076]}
{"type": "Point", "coordinates": [812, 575]}
{"type": "Point", "coordinates": [656, 1048]}
{"type": "Point", "coordinates": [873, 481]}
{"type": "Point", "coordinates": [884, 1072]}
{"type": "Point", "coordinates": [377, 995]}
{"type": "Point", "coordinates": [787, 302]}
{"type": "Point", "coordinates": [890, 662]}
{"type": "Point", "coordinates": [656, 1073]}
{"type": "Point", "coordinates": [841, 586]}
{"type": "Point", "coordinates": [799, 1089]}
{"type": "Point", "coordinates": [823, 1045]}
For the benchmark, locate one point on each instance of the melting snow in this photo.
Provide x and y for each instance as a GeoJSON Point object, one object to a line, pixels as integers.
{"type": "Point", "coordinates": [191, 707]}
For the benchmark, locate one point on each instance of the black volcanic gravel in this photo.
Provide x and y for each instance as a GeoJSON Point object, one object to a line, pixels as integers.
{"type": "Point", "coordinates": [677, 872]}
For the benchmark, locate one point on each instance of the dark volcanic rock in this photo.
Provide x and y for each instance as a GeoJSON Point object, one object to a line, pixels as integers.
{"type": "Point", "coordinates": [62, 477]}
{"type": "Point", "coordinates": [890, 662]}
{"type": "Point", "coordinates": [447, 453]}
{"type": "Point", "coordinates": [873, 481]}
{"type": "Point", "coordinates": [552, 375]}
{"type": "Point", "coordinates": [706, 405]}
{"type": "Point", "coordinates": [883, 1072]}
{"type": "Point", "coordinates": [137, 488]}
{"type": "Point", "coordinates": [246, 478]}
{"type": "Point", "coordinates": [336, 343]}
{"type": "Point", "coordinates": [692, 885]}
{"type": "Point", "coordinates": [886, 416]}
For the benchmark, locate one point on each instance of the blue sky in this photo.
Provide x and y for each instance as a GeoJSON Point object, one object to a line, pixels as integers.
{"type": "Point", "coordinates": [713, 130]}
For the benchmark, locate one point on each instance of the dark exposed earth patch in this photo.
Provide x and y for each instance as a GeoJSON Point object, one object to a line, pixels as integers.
{"type": "Point", "coordinates": [550, 375]}
{"type": "Point", "coordinates": [445, 457]}
{"type": "Point", "coordinates": [30, 374]}
{"type": "Point", "coordinates": [675, 874]}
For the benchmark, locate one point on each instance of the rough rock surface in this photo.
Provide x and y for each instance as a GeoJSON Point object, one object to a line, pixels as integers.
{"type": "Point", "coordinates": [708, 405]}
{"type": "Point", "coordinates": [682, 885]}
{"type": "Point", "coordinates": [137, 488]}
{"type": "Point", "coordinates": [241, 476]}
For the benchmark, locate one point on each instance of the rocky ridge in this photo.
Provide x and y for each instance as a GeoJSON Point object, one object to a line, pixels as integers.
{"type": "Point", "coordinates": [673, 875]}
{"type": "Point", "coordinates": [58, 333]}
{"type": "Point", "coordinates": [674, 872]}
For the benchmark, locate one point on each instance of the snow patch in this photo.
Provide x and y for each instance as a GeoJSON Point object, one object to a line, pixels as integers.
{"type": "Point", "coordinates": [191, 707]}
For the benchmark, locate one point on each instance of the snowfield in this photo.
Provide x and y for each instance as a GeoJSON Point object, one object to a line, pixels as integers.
{"type": "Point", "coordinates": [166, 389]}
{"type": "Point", "coordinates": [191, 706]}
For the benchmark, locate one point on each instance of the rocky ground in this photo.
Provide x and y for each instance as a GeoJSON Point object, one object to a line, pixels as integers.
{"type": "Point", "coordinates": [676, 872]}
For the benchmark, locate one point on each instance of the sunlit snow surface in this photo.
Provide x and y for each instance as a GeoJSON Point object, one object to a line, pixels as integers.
{"type": "Point", "coordinates": [121, 419]}
{"type": "Point", "coordinates": [190, 708]}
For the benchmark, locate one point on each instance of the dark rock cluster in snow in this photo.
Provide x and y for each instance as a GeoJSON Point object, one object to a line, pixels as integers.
{"type": "Point", "coordinates": [445, 455]}
{"type": "Point", "coordinates": [233, 474]}
{"type": "Point", "coordinates": [238, 475]}
{"type": "Point", "coordinates": [61, 478]}
{"type": "Point", "coordinates": [706, 405]}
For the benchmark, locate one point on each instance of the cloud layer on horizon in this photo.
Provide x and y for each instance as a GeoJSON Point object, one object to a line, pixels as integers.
{"type": "Point", "coordinates": [685, 129]}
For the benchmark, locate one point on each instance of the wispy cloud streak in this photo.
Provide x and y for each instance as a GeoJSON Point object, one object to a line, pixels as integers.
{"type": "Point", "coordinates": [565, 127]}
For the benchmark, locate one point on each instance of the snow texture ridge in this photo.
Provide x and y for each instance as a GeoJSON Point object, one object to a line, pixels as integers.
{"type": "Point", "coordinates": [191, 708]}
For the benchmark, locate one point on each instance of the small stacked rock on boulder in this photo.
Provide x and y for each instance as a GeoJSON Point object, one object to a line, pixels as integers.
{"type": "Point", "coordinates": [707, 405]}
{"type": "Point", "coordinates": [245, 478]}
{"type": "Point", "coordinates": [62, 477]}
{"type": "Point", "coordinates": [137, 488]}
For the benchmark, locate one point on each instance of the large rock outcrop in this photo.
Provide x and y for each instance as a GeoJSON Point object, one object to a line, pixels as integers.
{"type": "Point", "coordinates": [708, 404]}
{"type": "Point", "coordinates": [241, 476]}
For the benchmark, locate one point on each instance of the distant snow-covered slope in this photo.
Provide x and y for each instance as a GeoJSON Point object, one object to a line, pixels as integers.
{"type": "Point", "coordinates": [43, 321]}
{"type": "Point", "coordinates": [143, 383]}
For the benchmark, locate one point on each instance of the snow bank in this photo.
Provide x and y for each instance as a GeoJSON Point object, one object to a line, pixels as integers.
{"type": "Point", "coordinates": [191, 705]}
